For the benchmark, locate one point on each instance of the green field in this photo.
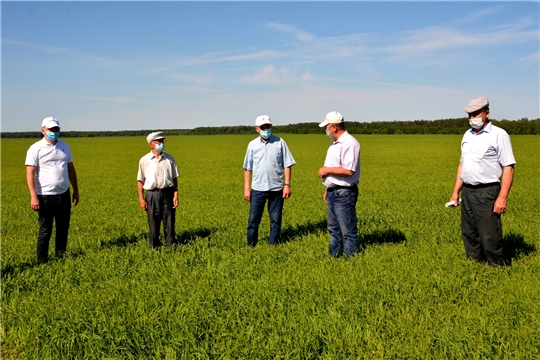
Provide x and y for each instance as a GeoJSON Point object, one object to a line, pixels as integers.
{"type": "Point", "coordinates": [410, 294]}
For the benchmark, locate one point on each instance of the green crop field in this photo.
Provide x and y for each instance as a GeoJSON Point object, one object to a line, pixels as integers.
{"type": "Point", "coordinates": [410, 294]}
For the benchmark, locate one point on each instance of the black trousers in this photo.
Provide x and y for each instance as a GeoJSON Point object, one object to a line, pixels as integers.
{"type": "Point", "coordinates": [51, 208]}
{"type": "Point", "coordinates": [160, 209]}
{"type": "Point", "coordinates": [480, 226]}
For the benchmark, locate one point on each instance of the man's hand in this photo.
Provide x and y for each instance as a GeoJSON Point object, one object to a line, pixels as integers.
{"type": "Point", "coordinates": [247, 194]}
{"type": "Point", "coordinates": [75, 197]}
{"type": "Point", "coordinates": [175, 200]}
{"type": "Point", "coordinates": [324, 195]}
{"type": "Point", "coordinates": [143, 204]}
{"type": "Point", "coordinates": [323, 172]}
{"type": "Point", "coordinates": [286, 192]}
{"type": "Point", "coordinates": [500, 205]}
{"type": "Point", "coordinates": [34, 203]}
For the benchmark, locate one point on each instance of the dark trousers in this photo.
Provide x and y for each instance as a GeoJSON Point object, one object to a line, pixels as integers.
{"type": "Point", "coordinates": [53, 208]}
{"type": "Point", "coordinates": [480, 226]}
{"type": "Point", "coordinates": [256, 209]}
{"type": "Point", "coordinates": [160, 209]}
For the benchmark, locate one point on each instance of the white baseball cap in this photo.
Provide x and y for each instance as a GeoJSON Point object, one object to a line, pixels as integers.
{"type": "Point", "coordinates": [332, 117]}
{"type": "Point", "coordinates": [50, 122]}
{"type": "Point", "coordinates": [263, 119]}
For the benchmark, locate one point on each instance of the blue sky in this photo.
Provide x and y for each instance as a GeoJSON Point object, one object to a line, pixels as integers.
{"type": "Point", "coordinates": [178, 65]}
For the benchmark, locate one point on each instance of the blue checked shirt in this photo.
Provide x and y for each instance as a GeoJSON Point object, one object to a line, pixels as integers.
{"type": "Point", "coordinates": [267, 162]}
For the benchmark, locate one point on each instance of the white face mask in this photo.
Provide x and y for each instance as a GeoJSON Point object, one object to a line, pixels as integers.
{"type": "Point", "coordinates": [476, 123]}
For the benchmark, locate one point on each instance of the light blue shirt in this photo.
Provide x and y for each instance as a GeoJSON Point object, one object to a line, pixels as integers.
{"type": "Point", "coordinates": [267, 162]}
{"type": "Point", "coordinates": [484, 155]}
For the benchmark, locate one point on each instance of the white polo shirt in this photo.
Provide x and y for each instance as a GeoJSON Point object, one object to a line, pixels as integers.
{"type": "Point", "coordinates": [51, 163]}
{"type": "Point", "coordinates": [157, 173]}
{"type": "Point", "coordinates": [484, 154]}
{"type": "Point", "coordinates": [344, 152]}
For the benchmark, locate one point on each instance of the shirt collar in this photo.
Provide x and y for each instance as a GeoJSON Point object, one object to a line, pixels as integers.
{"type": "Point", "coordinates": [342, 138]}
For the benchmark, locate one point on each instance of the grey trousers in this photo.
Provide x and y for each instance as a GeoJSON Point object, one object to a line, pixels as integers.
{"type": "Point", "coordinates": [480, 226]}
{"type": "Point", "coordinates": [160, 209]}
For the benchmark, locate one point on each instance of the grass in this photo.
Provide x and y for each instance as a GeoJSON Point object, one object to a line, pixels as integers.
{"type": "Point", "coordinates": [410, 294]}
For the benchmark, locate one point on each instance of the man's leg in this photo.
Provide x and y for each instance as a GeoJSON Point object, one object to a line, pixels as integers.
{"type": "Point", "coordinates": [256, 208]}
{"type": "Point", "coordinates": [345, 212]}
{"type": "Point", "coordinates": [155, 216]}
{"type": "Point", "coordinates": [471, 239]}
{"type": "Point", "coordinates": [169, 217]}
{"type": "Point", "coordinates": [336, 238]}
{"type": "Point", "coordinates": [275, 211]}
{"type": "Point", "coordinates": [62, 217]}
{"type": "Point", "coordinates": [45, 218]}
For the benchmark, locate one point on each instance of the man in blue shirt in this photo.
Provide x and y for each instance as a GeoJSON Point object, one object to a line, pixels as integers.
{"type": "Point", "coordinates": [486, 158]}
{"type": "Point", "coordinates": [269, 160]}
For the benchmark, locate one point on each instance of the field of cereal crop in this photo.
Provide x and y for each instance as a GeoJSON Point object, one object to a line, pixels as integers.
{"type": "Point", "coordinates": [410, 293]}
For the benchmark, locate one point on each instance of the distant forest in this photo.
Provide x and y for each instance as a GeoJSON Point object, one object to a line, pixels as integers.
{"type": "Point", "coordinates": [444, 126]}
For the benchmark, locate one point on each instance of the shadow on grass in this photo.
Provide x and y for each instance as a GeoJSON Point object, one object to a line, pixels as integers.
{"type": "Point", "coordinates": [188, 236]}
{"type": "Point", "coordinates": [123, 240]}
{"type": "Point", "coordinates": [389, 236]}
{"type": "Point", "coordinates": [12, 270]}
{"type": "Point", "coordinates": [515, 246]}
{"type": "Point", "coordinates": [289, 233]}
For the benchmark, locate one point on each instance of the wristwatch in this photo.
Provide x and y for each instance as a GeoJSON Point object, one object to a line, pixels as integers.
{"type": "Point", "coordinates": [289, 185]}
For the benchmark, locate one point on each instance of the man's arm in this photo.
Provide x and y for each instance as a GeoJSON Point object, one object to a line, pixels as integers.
{"type": "Point", "coordinates": [335, 171]}
{"type": "Point", "coordinates": [287, 188]}
{"type": "Point", "coordinates": [140, 190]}
{"type": "Point", "coordinates": [175, 197]}
{"type": "Point", "coordinates": [506, 184]}
{"type": "Point", "coordinates": [247, 185]}
{"type": "Point", "coordinates": [31, 182]}
{"type": "Point", "coordinates": [457, 187]}
{"type": "Point", "coordinates": [72, 174]}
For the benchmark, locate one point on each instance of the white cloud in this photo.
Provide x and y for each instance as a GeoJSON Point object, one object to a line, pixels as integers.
{"type": "Point", "coordinates": [268, 75]}
{"type": "Point", "coordinates": [291, 30]}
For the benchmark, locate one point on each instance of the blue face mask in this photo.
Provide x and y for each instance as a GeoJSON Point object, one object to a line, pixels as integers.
{"type": "Point", "coordinates": [266, 133]}
{"type": "Point", "coordinates": [160, 147]}
{"type": "Point", "coordinates": [52, 136]}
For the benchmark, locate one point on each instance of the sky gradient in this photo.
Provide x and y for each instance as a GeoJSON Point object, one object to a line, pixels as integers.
{"type": "Point", "coordinates": [180, 65]}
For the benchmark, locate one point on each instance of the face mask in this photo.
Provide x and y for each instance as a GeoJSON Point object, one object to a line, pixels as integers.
{"type": "Point", "coordinates": [476, 123]}
{"type": "Point", "coordinates": [266, 133]}
{"type": "Point", "coordinates": [160, 147]}
{"type": "Point", "coordinates": [329, 134]}
{"type": "Point", "coordinates": [52, 136]}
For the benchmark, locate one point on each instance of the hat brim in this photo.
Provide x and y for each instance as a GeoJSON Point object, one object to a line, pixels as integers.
{"type": "Point", "coordinates": [324, 123]}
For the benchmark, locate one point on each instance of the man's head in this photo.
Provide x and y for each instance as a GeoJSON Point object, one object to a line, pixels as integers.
{"type": "Point", "coordinates": [156, 140]}
{"type": "Point", "coordinates": [478, 111]}
{"type": "Point", "coordinates": [334, 124]}
{"type": "Point", "coordinates": [263, 126]}
{"type": "Point", "coordinates": [50, 128]}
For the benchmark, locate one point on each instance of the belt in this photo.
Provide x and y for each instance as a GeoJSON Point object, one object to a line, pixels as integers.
{"type": "Point", "coordinates": [169, 189]}
{"type": "Point", "coordinates": [337, 187]}
{"type": "Point", "coordinates": [479, 186]}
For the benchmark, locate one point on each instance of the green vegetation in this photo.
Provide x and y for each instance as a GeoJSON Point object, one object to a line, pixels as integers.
{"type": "Point", "coordinates": [410, 294]}
{"type": "Point", "coordinates": [447, 126]}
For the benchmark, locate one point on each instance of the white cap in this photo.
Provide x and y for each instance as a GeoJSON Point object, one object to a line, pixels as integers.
{"type": "Point", "coordinates": [477, 103]}
{"type": "Point", "coordinates": [332, 117]}
{"type": "Point", "coordinates": [155, 136]}
{"type": "Point", "coordinates": [50, 122]}
{"type": "Point", "coordinates": [263, 119]}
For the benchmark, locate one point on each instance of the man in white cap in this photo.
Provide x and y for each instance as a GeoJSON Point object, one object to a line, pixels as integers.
{"type": "Point", "coordinates": [269, 160]}
{"type": "Point", "coordinates": [158, 177]}
{"type": "Point", "coordinates": [486, 158]}
{"type": "Point", "coordinates": [340, 175]}
{"type": "Point", "coordinates": [49, 166]}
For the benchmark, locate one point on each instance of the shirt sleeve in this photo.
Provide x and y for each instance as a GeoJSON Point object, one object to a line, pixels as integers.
{"type": "Point", "coordinates": [140, 173]}
{"type": "Point", "coordinates": [506, 155]}
{"type": "Point", "coordinates": [248, 159]}
{"type": "Point", "coordinates": [31, 157]}
{"type": "Point", "coordinates": [349, 157]}
{"type": "Point", "coordinates": [288, 159]}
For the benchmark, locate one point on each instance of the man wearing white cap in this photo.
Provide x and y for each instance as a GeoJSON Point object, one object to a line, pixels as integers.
{"type": "Point", "coordinates": [49, 166]}
{"type": "Point", "coordinates": [486, 158]}
{"type": "Point", "coordinates": [269, 160]}
{"type": "Point", "coordinates": [158, 177]}
{"type": "Point", "coordinates": [340, 175]}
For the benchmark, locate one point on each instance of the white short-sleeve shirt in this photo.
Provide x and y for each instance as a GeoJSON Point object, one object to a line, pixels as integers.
{"type": "Point", "coordinates": [157, 172]}
{"type": "Point", "coordinates": [51, 163]}
{"type": "Point", "coordinates": [344, 152]}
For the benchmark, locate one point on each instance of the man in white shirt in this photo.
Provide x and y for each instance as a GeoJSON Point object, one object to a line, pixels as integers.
{"type": "Point", "coordinates": [341, 174]}
{"type": "Point", "coordinates": [157, 176]}
{"type": "Point", "coordinates": [49, 166]}
{"type": "Point", "coordinates": [486, 158]}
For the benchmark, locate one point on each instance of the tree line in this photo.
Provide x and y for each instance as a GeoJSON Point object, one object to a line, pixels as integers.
{"type": "Point", "coordinates": [443, 126]}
